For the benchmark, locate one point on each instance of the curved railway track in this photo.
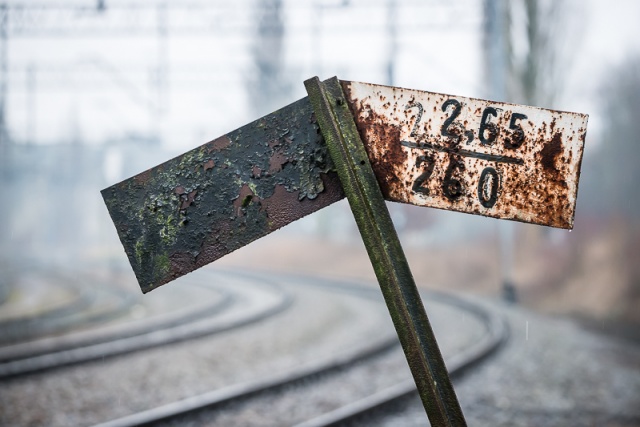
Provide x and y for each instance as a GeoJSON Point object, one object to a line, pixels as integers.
{"type": "Point", "coordinates": [332, 336]}
{"type": "Point", "coordinates": [196, 407]}
{"type": "Point", "coordinates": [497, 334]}
{"type": "Point", "coordinates": [258, 300]}
{"type": "Point", "coordinates": [45, 303]}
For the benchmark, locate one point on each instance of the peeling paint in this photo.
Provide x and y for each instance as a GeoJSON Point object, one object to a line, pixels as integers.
{"type": "Point", "coordinates": [456, 153]}
{"type": "Point", "coordinates": [206, 203]}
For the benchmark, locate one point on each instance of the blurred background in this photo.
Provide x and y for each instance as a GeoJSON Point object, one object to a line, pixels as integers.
{"type": "Point", "coordinates": [94, 91]}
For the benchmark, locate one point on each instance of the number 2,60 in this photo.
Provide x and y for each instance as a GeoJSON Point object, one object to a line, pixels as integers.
{"type": "Point", "coordinates": [452, 185]}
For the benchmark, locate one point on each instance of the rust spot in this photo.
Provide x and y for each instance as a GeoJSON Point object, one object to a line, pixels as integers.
{"type": "Point", "coordinates": [218, 144]}
{"type": "Point", "coordinates": [213, 246]}
{"type": "Point", "coordinates": [283, 206]}
{"type": "Point", "coordinates": [179, 190]}
{"type": "Point", "coordinates": [245, 197]}
{"type": "Point", "coordinates": [384, 149]}
{"type": "Point", "coordinates": [209, 165]}
{"type": "Point", "coordinates": [390, 154]}
{"type": "Point", "coordinates": [256, 172]}
{"type": "Point", "coordinates": [187, 199]}
{"type": "Point", "coordinates": [550, 153]}
{"type": "Point", "coordinates": [273, 143]}
{"type": "Point", "coordinates": [181, 264]}
{"type": "Point", "coordinates": [143, 177]}
{"type": "Point", "coordinates": [276, 161]}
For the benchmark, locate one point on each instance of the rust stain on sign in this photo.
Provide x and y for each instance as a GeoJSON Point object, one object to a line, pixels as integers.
{"type": "Point", "coordinates": [456, 153]}
{"type": "Point", "coordinates": [470, 155]}
{"type": "Point", "coordinates": [216, 198]}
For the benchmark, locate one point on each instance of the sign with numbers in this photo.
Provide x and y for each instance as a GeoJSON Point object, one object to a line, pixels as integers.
{"type": "Point", "coordinates": [448, 152]}
{"type": "Point", "coordinates": [471, 155]}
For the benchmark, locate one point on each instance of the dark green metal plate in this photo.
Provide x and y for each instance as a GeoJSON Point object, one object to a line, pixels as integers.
{"type": "Point", "coordinates": [214, 199]}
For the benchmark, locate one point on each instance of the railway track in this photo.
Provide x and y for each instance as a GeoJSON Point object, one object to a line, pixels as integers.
{"type": "Point", "coordinates": [331, 336]}
{"type": "Point", "coordinates": [218, 311]}
{"type": "Point", "coordinates": [245, 375]}
{"type": "Point", "coordinates": [458, 364]}
{"type": "Point", "coordinates": [230, 405]}
{"type": "Point", "coordinates": [45, 303]}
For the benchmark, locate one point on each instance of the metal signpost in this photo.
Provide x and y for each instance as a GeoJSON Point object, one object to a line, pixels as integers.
{"type": "Point", "coordinates": [370, 143]}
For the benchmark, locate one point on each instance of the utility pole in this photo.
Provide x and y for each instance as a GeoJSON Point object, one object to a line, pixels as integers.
{"type": "Point", "coordinates": [269, 86]}
{"type": "Point", "coordinates": [161, 68]}
{"type": "Point", "coordinates": [4, 75]}
{"type": "Point", "coordinates": [316, 38]}
{"type": "Point", "coordinates": [32, 107]}
{"type": "Point", "coordinates": [4, 134]}
{"type": "Point", "coordinates": [392, 34]}
{"type": "Point", "coordinates": [496, 48]}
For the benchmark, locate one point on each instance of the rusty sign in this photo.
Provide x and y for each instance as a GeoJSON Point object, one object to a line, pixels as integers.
{"type": "Point", "coordinates": [216, 198]}
{"type": "Point", "coordinates": [381, 241]}
{"type": "Point", "coordinates": [470, 155]}
{"type": "Point", "coordinates": [449, 152]}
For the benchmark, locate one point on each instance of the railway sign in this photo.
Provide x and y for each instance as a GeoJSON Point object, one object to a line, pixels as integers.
{"type": "Point", "coordinates": [449, 152]}
{"type": "Point", "coordinates": [368, 143]}
{"type": "Point", "coordinates": [470, 155]}
{"type": "Point", "coordinates": [216, 198]}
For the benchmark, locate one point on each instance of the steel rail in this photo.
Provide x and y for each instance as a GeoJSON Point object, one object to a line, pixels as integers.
{"type": "Point", "coordinates": [50, 320]}
{"type": "Point", "coordinates": [243, 391]}
{"type": "Point", "coordinates": [113, 332]}
{"type": "Point", "coordinates": [154, 338]}
{"type": "Point", "coordinates": [249, 389]}
{"type": "Point", "coordinates": [459, 363]}
{"type": "Point", "coordinates": [7, 278]}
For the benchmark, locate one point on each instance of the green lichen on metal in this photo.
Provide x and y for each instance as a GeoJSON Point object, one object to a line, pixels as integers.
{"type": "Point", "coordinates": [386, 254]}
{"type": "Point", "coordinates": [139, 251]}
{"type": "Point", "coordinates": [218, 197]}
{"type": "Point", "coordinates": [161, 267]}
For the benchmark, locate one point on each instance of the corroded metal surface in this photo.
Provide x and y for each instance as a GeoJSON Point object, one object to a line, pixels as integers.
{"type": "Point", "coordinates": [470, 155]}
{"type": "Point", "coordinates": [455, 153]}
{"type": "Point", "coordinates": [212, 200]}
{"type": "Point", "coordinates": [385, 252]}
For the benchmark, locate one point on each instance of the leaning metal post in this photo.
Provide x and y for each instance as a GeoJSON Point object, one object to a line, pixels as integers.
{"type": "Point", "coordinates": [386, 254]}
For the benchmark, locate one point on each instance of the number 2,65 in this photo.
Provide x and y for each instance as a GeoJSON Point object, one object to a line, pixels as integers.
{"type": "Point", "coordinates": [488, 130]}
{"type": "Point", "coordinates": [452, 185]}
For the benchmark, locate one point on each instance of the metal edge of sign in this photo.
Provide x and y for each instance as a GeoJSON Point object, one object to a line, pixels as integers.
{"type": "Point", "coordinates": [471, 155]}
{"type": "Point", "coordinates": [206, 203]}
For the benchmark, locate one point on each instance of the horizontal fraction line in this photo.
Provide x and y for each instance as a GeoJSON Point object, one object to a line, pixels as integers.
{"type": "Point", "coordinates": [465, 153]}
